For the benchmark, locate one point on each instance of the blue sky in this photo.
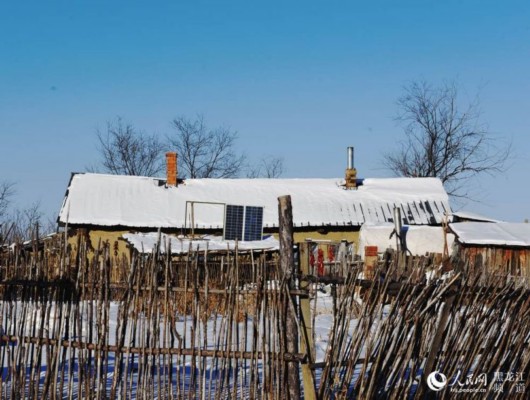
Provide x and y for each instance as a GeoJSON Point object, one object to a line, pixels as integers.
{"type": "Point", "coordinates": [301, 80]}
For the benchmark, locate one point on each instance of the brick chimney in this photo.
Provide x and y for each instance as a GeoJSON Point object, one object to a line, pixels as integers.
{"type": "Point", "coordinates": [171, 169]}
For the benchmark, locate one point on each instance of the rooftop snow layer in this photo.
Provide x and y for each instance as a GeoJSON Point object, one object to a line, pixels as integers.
{"type": "Point", "coordinates": [145, 243]}
{"type": "Point", "coordinates": [141, 202]}
{"type": "Point", "coordinates": [492, 234]}
{"type": "Point", "coordinates": [471, 216]}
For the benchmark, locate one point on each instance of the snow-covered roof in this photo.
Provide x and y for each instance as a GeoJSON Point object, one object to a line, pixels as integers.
{"type": "Point", "coordinates": [420, 239]}
{"type": "Point", "coordinates": [145, 243]}
{"type": "Point", "coordinates": [471, 216]}
{"type": "Point", "coordinates": [492, 234]}
{"type": "Point", "coordinates": [141, 202]}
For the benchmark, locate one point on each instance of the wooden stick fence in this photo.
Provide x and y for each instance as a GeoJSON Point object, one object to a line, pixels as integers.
{"type": "Point", "coordinates": [473, 334]}
{"type": "Point", "coordinates": [189, 327]}
{"type": "Point", "coordinates": [79, 336]}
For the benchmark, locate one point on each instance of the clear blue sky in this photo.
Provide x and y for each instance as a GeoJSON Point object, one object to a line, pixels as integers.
{"type": "Point", "coordinates": [301, 80]}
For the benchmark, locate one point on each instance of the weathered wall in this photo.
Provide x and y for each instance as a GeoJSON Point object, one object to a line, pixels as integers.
{"type": "Point", "coordinates": [97, 236]}
{"type": "Point", "coordinates": [119, 246]}
{"type": "Point", "coordinates": [495, 260]}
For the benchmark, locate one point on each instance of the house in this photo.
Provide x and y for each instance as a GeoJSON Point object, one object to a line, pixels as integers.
{"type": "Point", "coordinates": [105, 207]}
{"type": "Point", "coordinates": [493, 248]}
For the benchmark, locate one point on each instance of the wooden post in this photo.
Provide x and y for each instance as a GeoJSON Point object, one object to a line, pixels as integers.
{"type": "Point", "coordinates": [306, 344]}
{"type": "Point", "coordinates": [397, 227]}
{"type": "Point", "coordinates": [285, 214]}
{"type": "Point", "coordinates": [400, 251]}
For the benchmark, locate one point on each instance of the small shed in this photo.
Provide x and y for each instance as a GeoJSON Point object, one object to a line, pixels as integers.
{"type": "Point", "coordinates": [501, 248]}
{"type": "Point", "coordinates": [419, 239]}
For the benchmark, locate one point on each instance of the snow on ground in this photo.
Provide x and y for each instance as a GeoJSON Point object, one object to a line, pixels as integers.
{"type": "Point", "coordinates": [209, 333]}
{"type": "Point", "coordinates": [183, 325]}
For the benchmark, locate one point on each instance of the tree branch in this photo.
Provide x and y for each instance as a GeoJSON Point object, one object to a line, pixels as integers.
{"type": "Point", "coordinates": [443, 140]}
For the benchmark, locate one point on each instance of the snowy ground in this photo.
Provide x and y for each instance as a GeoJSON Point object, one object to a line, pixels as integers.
{"type": "Point", "coordinates": [207, 335]}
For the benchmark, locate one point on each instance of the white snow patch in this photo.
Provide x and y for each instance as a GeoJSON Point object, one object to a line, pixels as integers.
{"type": "Point", "coordinates": [146, 242]}
{"type": "Point", "coordinates": [420, 239]}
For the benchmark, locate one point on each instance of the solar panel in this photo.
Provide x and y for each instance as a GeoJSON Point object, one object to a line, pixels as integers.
{"type": "Point", "coordinates": [234, 222]}
{"type": "Point", "coordinates": [243, 223]}
{"type": "Point", "coordinates": [253, 223]}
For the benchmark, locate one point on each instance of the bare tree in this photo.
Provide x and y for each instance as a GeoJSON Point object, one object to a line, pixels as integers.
{"type": "Point", "coordinates": [268, 167]}
{"type": "Point", "coordinates": [24, 224]}
{"type": "Point", "coordinates": [7, 189]}
{"type": "Point", "coordinates": [204, 152]}
{"type": "Point", "coordinates": [127, 151]}
{"type": "Point", "coordinates": [444, 139]}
